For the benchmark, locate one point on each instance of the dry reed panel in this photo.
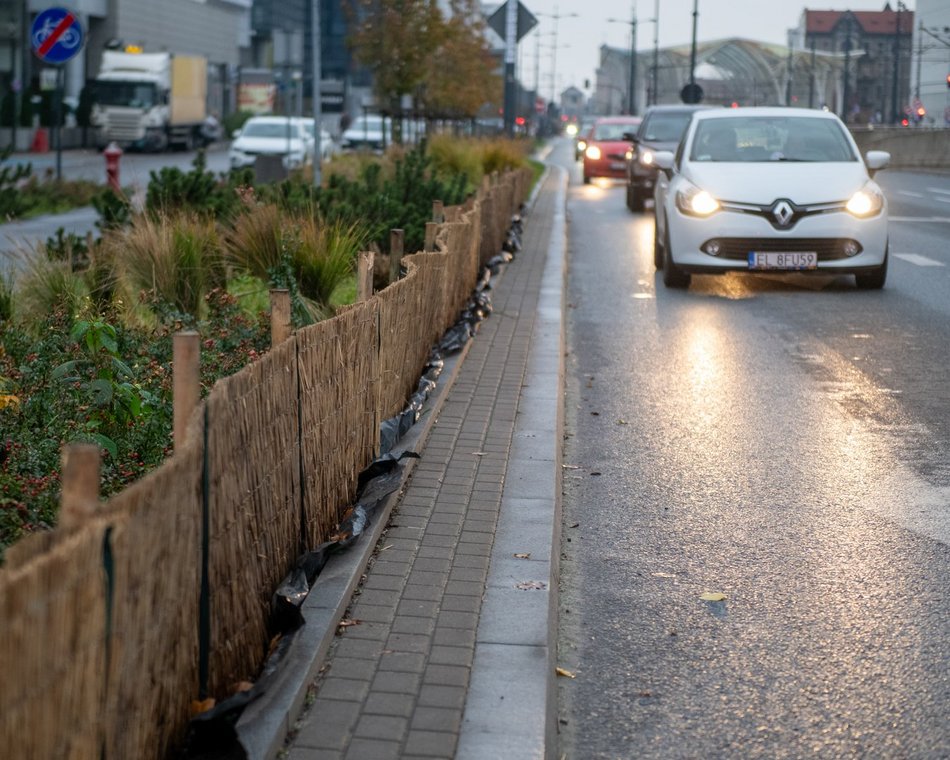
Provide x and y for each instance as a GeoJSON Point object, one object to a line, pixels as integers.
{"type": "Point", "coordinates": [156, 547]}
{"type": "Point", "coordinates": [432, 272]}
{"type": "Point", "coordinates": [52, 656]}
{"type": "Point", "coordinates": [254, 498]}
{"type": "Point", "coordinates": [462, 241]}
{"type": "Point", "coordinates": [488, 245]}
{"type": "Point", "coordinates": [339, 380]}
{"type": "Point", "coordinates": [403, 344]}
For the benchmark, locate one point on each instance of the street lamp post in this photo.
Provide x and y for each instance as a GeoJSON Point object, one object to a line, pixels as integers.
{"type": "Point", "coordinates": [654, 97]}
{"type": "Point", "coordinates": [556, 17]}
{"type": "Point", "coordinates": [895, 94]}
{"type": "Point", "coordinates": [692, 49]}
{"type": "Point", "coordinates": [632, 83]}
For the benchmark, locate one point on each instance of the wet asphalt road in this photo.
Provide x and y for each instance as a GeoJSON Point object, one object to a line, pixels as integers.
{"type": "Point", "coordinates": [783, 441]}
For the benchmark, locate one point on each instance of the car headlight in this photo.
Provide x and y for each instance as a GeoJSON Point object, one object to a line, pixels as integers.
{"type": "Point", "coordinates": [868, 201]}
{"type": "Point", "coordinates": [571, 130]}
{"type": "Point", "coordinates": [695, 202]}
{"type": "Point", "coordinates": [646, 157]}
{"type": "Point", "coordinates": [582, 145]}
{"type": "Point", "coordinates": [593, 153]}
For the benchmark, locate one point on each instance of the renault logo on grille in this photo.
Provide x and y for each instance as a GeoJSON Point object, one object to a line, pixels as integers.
{"type": "Point", "coordinates": [783, 213]}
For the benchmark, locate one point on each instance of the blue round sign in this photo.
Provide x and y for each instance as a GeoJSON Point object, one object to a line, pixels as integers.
{"type": "Point", "coordinates": [56, 35]}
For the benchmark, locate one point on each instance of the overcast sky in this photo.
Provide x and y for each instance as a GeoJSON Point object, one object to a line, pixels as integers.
{"type": "Point", "coordinates": [579, 37]}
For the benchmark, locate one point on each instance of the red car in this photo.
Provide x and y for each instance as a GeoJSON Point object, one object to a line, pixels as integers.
{"type": "Point", "coordinates": [606, 153]}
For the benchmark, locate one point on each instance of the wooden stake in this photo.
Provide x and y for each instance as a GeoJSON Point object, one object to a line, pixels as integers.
{"type": "Point", "coordinates": [364, 276]}
{"type": "Point", "coordinates": [280, 324]}
{"type": "Point", "coordinates": [438, 212]}
{"type": "Point", "coordinates": [80, 496]}
{"type": "Point", "coordinates": [432, 229]}
{"type": "Point", "coordinates": [396, 241]}
{"type": "Point", "coordinates": [186, 382]}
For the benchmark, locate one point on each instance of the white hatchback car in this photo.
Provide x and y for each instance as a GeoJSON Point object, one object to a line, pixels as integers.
{"type": "Point", "coordinates": [271, 136]}
{"type": "Point", "coordinates": [773, 190]}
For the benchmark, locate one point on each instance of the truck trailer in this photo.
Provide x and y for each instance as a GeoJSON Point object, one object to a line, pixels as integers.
{"type": "Point", "coordinates": [151, 101]}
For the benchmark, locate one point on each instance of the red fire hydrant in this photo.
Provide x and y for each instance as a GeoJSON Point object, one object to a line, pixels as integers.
{"type": "Point", "coordinates": [113, 153]}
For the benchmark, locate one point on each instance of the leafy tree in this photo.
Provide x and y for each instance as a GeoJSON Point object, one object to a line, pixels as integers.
{"type": "Point", "coordinates": [462, 72]}
{"type": "Point", "coordinates": [394, 39]}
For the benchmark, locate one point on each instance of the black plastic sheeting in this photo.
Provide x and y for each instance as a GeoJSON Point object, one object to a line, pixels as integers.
{"type": "Point", "coordinates": [213, 735]}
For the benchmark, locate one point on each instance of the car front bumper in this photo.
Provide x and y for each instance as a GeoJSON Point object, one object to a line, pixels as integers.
{"type": "Point", "coordinates": [739, 234]}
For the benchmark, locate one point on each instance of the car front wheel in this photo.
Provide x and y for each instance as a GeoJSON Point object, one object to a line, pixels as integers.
{"type": "Point", "coordinates": [875, 279]}
{"type": "Point", "coordinates": [673, 276]}
{"type": "Point", "coordinates": [634, 198]}
{"type": "Point", "coordinates": [657, 247]}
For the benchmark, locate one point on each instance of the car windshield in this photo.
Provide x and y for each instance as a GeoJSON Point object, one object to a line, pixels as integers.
{"type": "Point", "coordinates": [131, 94]}
{"type": "Point", "coordinates": [770, 138]}
{"type": "Point", "coordinates": [665, 127]}
{"type": "Point", "coordinates": [268, 129]}
{"type": "Point", "coordinates": [612, 131]}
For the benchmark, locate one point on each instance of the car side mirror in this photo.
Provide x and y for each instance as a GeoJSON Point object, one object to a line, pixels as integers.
{"type": "Point", "coordinates": [664, 161]}
{"type": "Point", "coordinates": [877, 160]}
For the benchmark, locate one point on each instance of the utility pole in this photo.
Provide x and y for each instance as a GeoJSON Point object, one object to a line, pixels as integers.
{"type": "Point", "coordinates": [317, 94]}
{"type": "Point", "coordinates": [656, 53]}
{"type": "Point", "coordinates": [632, 86]}
{"type": "Point", "coordinates": [511, 48]}
{"type": "Point", "coordinates": [692, 49]}
{"type": "Point", "coordinates": [847, 61]}
{"type": "Point", "coordinates": [920, 55]}
{"type": "Point", "coordinates": [632, 81]}
{"type": "Point", "coordinates": [895, 95]}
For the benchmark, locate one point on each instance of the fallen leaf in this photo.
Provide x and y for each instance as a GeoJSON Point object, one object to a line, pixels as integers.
{"type": "Point", "coordinates": [574, 525]}
{"type": "Point", "coordinates": [663, 575]}
{"type": "Point", "coordinates": [203, 706]}
{"type": "Point", "coordinates": [527, 555]}
{"type": "Point", "coordinates": [622, 422]}
{"type": "Point", "coordinates": [570, 466]}
{"type": "Point", "coordinates": [595, 473]}
{"type": "Point", "coordinates": [713, 596]}
{"type": "Point", "coordinates": [479, 453]}
{"type": "Point", "coordinates": [565, 673]}
{"type": "Point", "coordinates": [595, 414]}
{"type": "Point", "coordinates": [531, 585]}
{"type": "Point", "coordinates": [347, 622]}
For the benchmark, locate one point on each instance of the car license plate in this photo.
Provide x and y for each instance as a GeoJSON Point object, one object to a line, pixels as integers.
{"type": "Point", "coordinates": [617, 165]}
{"type": "Point", "coordinates": [783, 260]}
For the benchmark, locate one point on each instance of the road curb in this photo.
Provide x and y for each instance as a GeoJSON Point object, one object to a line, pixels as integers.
{"type": "Point", "coordinates": [511, 709]}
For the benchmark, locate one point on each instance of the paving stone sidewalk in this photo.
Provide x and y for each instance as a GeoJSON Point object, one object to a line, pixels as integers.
{"type": "Point", "coordinates": [396, 679]}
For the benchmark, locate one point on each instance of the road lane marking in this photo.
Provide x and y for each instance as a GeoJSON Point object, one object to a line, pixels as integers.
{"type": "Point", "coordinates": [921, 261]}
{"type": "Point", "coordinates": [909, 194]}
{"type": "Point", "coordinates": [918, 219]}
{"type": "Point", "coordinates": [939, 190]}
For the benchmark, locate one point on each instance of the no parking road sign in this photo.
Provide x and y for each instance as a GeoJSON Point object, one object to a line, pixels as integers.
{"type": "Point", "coordinates": [56, 35]}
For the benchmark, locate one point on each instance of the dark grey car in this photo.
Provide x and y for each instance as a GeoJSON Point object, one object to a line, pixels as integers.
{"type": "Point", "coordinates": [661, 129]}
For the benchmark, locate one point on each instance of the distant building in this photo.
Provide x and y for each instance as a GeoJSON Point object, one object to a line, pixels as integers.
{"type": "Point", "coordinates": [572, 103]}
{"type": "Point", "coordinates": [876, 52]}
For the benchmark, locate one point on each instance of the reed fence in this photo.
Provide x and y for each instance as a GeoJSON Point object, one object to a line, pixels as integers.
{"type": "Point", "coordinates": [114, 623]}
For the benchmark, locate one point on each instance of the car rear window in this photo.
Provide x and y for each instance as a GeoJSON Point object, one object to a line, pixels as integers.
{"type": "Point", "coordinates": [771, 138]}
{"type": "Point", "coordinates": [664, 127]}
{"type": "Point", "coordinates": [613, 131]}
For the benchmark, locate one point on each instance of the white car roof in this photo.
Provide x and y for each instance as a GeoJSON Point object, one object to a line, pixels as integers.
{"type": "Point", "coordinates": [765, 111]}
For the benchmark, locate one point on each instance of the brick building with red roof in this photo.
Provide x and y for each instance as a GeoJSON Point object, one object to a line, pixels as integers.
{"type": "Point", "coordinates": [876, 52]}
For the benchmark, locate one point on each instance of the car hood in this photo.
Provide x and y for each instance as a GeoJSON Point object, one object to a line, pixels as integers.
{"type": "Point", "coordinates": [267, 144]}
{"type": "Point", "coordinates": [762, 183]}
